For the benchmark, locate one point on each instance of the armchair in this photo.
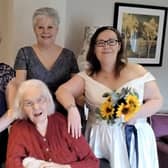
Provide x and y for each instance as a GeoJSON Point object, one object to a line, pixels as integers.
{"type": "Point", "coordinates": [159, 124]}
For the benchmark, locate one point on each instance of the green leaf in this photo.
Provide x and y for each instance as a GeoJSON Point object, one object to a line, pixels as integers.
{"type": "Point", "coordinates": [106, 94]}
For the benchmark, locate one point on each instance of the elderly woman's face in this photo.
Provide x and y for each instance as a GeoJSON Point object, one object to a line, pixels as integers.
{"type": "Point", "coordinates": [45, 30]}
{"type": "Point", "coordinates": [35, 105]}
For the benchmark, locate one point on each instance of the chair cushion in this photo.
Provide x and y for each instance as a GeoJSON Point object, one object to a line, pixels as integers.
{"type": "Point", "coordinates": [159, 124]}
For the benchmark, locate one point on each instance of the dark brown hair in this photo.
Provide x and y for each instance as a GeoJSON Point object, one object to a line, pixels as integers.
{"type": "Point", "coordinates": [92, 58]}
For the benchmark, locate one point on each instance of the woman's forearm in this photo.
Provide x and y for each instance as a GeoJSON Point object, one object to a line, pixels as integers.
{"type": "Point", "coordinates": [149, 108]}
{"type": "Point", "coordinates": [11, 93]}
{"type": "Point", "coordinates": [65, 98]}
{"type": "Point", "coordinates": [6, 120]}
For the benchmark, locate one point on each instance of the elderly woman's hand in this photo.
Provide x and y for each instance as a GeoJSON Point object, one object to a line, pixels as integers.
{"type": "Point", "coordinates": [31, 162]}
{"type": "Point", "coordinates": [74, 121]}
{"type": "Point", "coordinates": [53, 165]}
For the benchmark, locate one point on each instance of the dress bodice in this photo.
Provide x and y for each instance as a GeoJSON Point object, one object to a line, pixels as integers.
{"type": "Point", "coordinates": [94, 90]}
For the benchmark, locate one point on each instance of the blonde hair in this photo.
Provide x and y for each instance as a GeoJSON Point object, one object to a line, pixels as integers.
{"type": "Point", "coordinates": [46, 11]}
{"type": "Point", "coordinates": [24, 87]}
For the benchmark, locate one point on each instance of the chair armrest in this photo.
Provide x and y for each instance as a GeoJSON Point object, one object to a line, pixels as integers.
{"type": "Point", "coordinates": [162, 147]}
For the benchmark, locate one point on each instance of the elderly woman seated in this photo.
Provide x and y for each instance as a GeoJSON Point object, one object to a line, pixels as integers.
{"type": "Point", "coordinates": [39, 138]}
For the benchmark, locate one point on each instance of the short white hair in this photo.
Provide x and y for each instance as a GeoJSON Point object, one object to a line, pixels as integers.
{"type": "Point", "coordinates": [24, 87]}
{"type": "Point", "coordinates": [46, 11]}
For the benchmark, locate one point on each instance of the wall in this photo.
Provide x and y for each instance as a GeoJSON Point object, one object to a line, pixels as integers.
{"type": "Point", "coordinates": [16, 27]}
{"type": "Point", "coordinates": [98, 12]}
{"type": "Point", "coordinates": [16, 23]}
{"type": "Point", "coordinates": [5, 26]}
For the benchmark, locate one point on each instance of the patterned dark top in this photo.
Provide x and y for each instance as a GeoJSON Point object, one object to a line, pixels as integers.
{"type": "Point", "coordinates": [6, 74]}
{"type": "Point", "coordinates": [60, 72]}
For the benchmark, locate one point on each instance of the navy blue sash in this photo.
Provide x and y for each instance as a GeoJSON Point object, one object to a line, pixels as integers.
{"type": "Point", "coordinates": [129, 130]}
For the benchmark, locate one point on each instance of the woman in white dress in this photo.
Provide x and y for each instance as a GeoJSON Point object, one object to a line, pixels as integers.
{"type": "Point", "coordinates": [129, 144]}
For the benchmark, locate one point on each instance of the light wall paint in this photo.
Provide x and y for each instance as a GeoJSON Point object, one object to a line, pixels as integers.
{"type": "Point", "coordinates": [16, 27]}
{"type": "Point", "coordinates": [16, 23]}
{"type": "Point", "coordinates": [98, 12]}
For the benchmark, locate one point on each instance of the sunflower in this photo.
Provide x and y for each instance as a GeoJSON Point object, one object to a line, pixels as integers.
{"type": "Point", "coordinates": [123, 109]}
{"type": "Point", "coordinates": [106, 109]}
{"type": "Point", "coordinates": [133, 102]}
{"type": "Point", "coordinates": [129, 108]}
{"type": "Point", "coordinates": [124, 105]}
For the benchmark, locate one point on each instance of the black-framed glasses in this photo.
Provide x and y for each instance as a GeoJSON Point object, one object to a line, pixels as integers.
{"type": "Point", "coordinates": [110, 42]}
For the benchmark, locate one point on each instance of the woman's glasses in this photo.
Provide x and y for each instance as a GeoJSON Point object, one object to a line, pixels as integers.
{"type": "Point", "coordinates": [30, 103]}
{"type": "Point", "coordinates": [110, 42]}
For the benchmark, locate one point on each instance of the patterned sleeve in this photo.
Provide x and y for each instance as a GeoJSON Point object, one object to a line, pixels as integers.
{"type": "Point", "coordinates": [6, 74]}
{"type": "Point", "coordinates": [20, 61]}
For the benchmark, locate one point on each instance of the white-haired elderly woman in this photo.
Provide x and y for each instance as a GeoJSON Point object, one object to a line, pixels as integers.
{"type": "Point", "coordinates": [48, 61]}
{"type": "Point", "coordinates": [39, 138]}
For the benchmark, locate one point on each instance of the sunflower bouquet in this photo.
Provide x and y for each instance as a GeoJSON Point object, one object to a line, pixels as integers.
{"type": "Point", "coordinates": [121, 105]}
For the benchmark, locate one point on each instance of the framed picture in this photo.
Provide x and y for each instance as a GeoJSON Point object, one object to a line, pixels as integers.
{"type": "Point", "coordinates": [143, 28]}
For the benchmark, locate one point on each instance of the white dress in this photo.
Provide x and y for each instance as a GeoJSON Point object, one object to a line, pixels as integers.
{"type": "Point", "coordinates": [108, 141]}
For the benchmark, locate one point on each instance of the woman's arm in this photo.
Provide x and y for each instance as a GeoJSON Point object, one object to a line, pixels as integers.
{"type": "Point", "coordinates": [66, 95]}
{"type": "Point", "coordinates": [10, 93]}
{"type": "Point", "coordinates": [20, 77]}
{"type": "Point", "coordinates": [6, 120]}
{"type": "Point", "coordinates": [13, 86]}
{"type": "Point", "coordinates": [8, 117]}
{"type": "Point", "coordinates": [152, 101]}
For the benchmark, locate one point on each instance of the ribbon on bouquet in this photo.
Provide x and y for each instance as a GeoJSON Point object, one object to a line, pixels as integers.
{"type": "Point", "coordinates": [129, 130]}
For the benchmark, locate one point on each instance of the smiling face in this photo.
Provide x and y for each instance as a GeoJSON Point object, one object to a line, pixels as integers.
{"type": "Point", "coordinates": [45, 30]}
{"type": "Point", "coordinates": [35, 105]}
{"type": "Point", "coordinates": [107, 46]}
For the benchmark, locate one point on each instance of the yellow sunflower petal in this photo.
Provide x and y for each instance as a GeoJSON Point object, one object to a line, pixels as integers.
{"type": "Point", "coordinates": [106, 109]}
{"type": "Point", "coordinates": [134, 106]}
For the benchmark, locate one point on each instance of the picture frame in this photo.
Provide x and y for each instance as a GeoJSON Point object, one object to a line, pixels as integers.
{"type": "Point", "coordinates": [143, 28]}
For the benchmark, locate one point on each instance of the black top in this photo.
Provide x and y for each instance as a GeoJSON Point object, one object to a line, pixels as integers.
{"type": "Point", "coordinates": [6, 74]}
{"type": "Point", "coordinates": [60, 72]}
